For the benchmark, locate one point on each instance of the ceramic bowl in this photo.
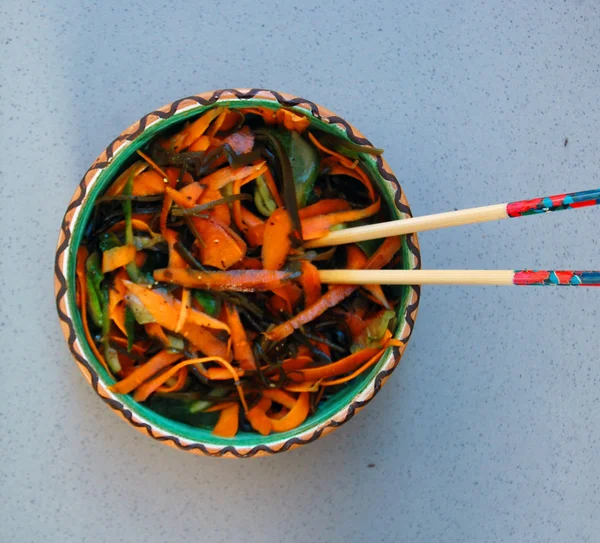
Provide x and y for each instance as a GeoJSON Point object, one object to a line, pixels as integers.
{"type": "Point", "coordinates": [104, 170]}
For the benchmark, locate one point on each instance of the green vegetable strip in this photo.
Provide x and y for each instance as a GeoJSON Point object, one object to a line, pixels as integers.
{"type": "Point", "coordinates": [129, 327]}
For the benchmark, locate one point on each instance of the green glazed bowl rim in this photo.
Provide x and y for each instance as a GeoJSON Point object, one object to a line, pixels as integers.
{"type": "Point", "coordinates": [181, 436]}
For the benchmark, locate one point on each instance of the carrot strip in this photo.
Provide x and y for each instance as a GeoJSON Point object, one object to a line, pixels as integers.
{"type": "Point", "coordinates": [255, 227]}
{"type": "Point", "coordinates": [221, 374]}
{"type": "Point", "coordinates": [324, 207]}
{"type": "Point", "coordinates": [372, 361]}
{"type": "Point", "coordinates": [290, 294]}
{"type": "Point", "coordinates": [242, 351]}
{"type": "Point", "coordinates": [193, 131]}
{"type": "Point", "coordinates": [221, 247]}
{"type": "Point", "coordinates": [117, 257]}
{"type": "Point", "coordinates": [268, 115]}
{"type": "Point", "coordinates": [258, 419]}
{"type": "Point", "coordinates": [201, 144]}
{"type": "Point", "coordinates": [345, 161]}
{"type": "Point", "coordinates": [236, 280]}
{"type": "Point", "coordinates": [308, 386]}
{"type": "Point", "coordinates": [292, 364]}
{"type": "Point", "coordinates": [227, 425]}
{"type": "Point", "coordinates": [153, 165]}
{"type": "Point", "coordinates": [280, 397]}
{"type": "Point", "coordinates": [336, 293]}
{"type": "Point", "coordinates": [184, 309]}
{"type": "Point", "coordinates": [217, 180]}
{"type": "Point", "coordinates": [143, 391]}
{"type": "Point", "coordinates": [165, 309]}
{"type": "Point", "coordinates": [179, 383]}
{"type": "Point", "coordinates": [147, 370]}
{"type": "Point", "coordinates": [116, 308]}
{"type": "Point", "coordinates": [357, 173]}
{"type": "Point", "coordinates": [315, 227]}
{"type": "Point", "coordinates": [148, 183]}
{"type": "Point", "coordinates": [220, 212]}
{"type": "Point", "coordinates": [340, 367]}
{"type": "Point", "coordinates": [187, 196]}
{"type": "Point", "coordinates": [310, 282]}
{"type": "Point", "coordinates": [268, 177]}
{"type": "Point", "coordinates": [276, 243]}
{"type": "Point", "coordinates": [292, 121]}
{"type": "Point", "coordinates": [377, 295]}
{"type": "Point", "coordinates": [175, 260]}
{"type": "Point", "coordinates": [295, 417]}
{"type": "Point", "coordinates": [118, 185]}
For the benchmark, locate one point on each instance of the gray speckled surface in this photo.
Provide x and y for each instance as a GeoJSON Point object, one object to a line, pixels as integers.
{"type": "Point", "coordinates": [489, 430]}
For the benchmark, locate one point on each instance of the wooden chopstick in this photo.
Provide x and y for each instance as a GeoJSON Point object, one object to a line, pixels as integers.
{"type": "Point", "coordinates": [461, 217]}
{"type": "Point", "coordinates": [462, 277]}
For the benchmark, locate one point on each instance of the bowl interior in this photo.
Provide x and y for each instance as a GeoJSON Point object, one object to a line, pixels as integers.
{"type": "Point", "coordinates": [121, 160]}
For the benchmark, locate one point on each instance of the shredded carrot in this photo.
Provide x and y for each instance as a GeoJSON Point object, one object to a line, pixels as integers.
{"type": "Point", "coordinates": [184, 309]}
{"type": "Point", "coordinates": [242, 351]}
{"type": "Point", "coordinates": [276, 243]}
{"type": "Point", "coordinates": [280, 397]}
{"type": "Point", "coordinates": [255, 227]}
{"type": "Point", "coordinates": [165, 310]}
{"type": "Point", "coordinates": [177, 385]}
{"type": "Point", "coordinates": [334, 168]}
{"type": "Point", "coordinates": [307, 386]}
{"type": "Point", "coordinates": [221, 374]}
{"type": "Point", "coordinates": [295, 417]}
{"type": "Point", "coordinates": [315, 227]}
{"type": "Point", "coordinates": [268, 177]}
{"type": "Point", "coordinates": [291, 120]}
{"type": "Point", "coordinates": [119, 184]}
{"type": "Point", "coordinates": [148, 183]}
{"type": "Point", "coordinates": [116, 307]}
{"type": "Point", "coordinates": [193, 131]}
{"type": "Point", "coordinates": [235, 280]}
{"type": "Point", "coordinates": [227, 425]}
{"type": "Point", "coordinates": [340, 367]}
{"type": "Point", "coordinates": [324, 207]}
{"type": "Point", "coordinates": [221, 247]}
{"type": "Point", "coordinates": [292, 364]}
{"type": "Point", "coordinates": [372, 361]}
{"type": "Point", "coordinates": [143, 391]}
{"type": "Point", "coordinates": [343, 160]}
{"type": "Point", "coordinates": [201, 144]}
{"type": "Point", "coordinates": [117, 257]}
{"type": "Point", "coordinates": [311, 283]}
{"type": "Point", "coordinates": [175, 260]}
{"type": "Point", "coordinates": [218, 179]}
{"type": "Point", "coordinates": [220, 212]}
{"type": "Point", "coordinates": [187, 196]}
{"type": "Point", "coordinates": [258, 419]}
{"type": "Point", "coordinates": [154, 166]}
{"type": "Point", "coordinates": [145, 371]}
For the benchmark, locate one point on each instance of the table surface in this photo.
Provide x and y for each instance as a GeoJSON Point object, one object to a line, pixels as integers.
{"type": "Point", "coordinates": [488, 431]}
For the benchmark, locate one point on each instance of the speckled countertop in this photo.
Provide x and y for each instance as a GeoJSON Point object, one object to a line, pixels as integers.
{"type": "Point", "coordinates": [489, 430]}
